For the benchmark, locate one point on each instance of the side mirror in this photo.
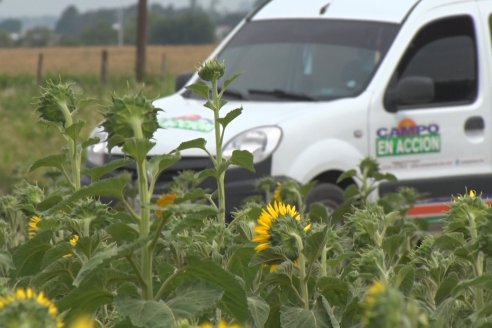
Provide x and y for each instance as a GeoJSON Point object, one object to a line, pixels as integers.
{"type": "Point", "coordinates": [412, 90]}
{"type": "Point", "coordinates": [181, 80]}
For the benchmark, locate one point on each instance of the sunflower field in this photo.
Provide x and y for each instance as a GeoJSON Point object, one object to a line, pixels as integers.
{"type": "Point", "coordinates": [68, 259]}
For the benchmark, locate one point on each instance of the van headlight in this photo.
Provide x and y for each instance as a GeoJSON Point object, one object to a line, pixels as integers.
{"type": "Point", "coordinates": [96, 153]}
{"type": "Point", "coordinates": [261, 142]}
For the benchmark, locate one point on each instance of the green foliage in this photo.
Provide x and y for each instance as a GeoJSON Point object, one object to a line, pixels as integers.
{"type": "Point", "coordinates": [172, 262]}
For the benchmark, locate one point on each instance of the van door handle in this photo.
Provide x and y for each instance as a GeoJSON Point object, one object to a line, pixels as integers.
{"type": "Point", "coordinates": [474, 123]}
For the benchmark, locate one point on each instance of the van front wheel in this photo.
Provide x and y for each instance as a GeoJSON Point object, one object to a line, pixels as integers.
{"type": "Point", "coordinates": [328, 194]}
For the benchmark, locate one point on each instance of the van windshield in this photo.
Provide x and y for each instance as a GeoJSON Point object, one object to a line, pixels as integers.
{"type": "Point", "coordinates": [285, 60]}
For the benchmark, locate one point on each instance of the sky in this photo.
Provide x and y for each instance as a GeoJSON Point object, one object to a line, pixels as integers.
{"type": "Point", "coordinates": [20, 8]}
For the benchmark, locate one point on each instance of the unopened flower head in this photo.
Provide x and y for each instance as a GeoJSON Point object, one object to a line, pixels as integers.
{"type": "Point", "coordinates": [210, 70]}
{"type": "Point", "coordinates": [275, 227]}
{"type": "Point", "coordinates": [35, 310]}
{"type": "Point", "coordinates": [131, 116]}
{"type": "Point", "coordinates": [33, 226]}
{"type": "Point", "coordinates": [56, 102]}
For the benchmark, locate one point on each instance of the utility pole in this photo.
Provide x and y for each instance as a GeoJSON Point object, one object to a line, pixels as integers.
{"type": "Point", "coordinates": [121, 25]}
{"type": "Point", "coordinates": [141, 39]}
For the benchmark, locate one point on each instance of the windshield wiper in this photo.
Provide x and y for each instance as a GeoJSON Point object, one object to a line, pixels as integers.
{"type": "Point", "coordinates": [282, 94]}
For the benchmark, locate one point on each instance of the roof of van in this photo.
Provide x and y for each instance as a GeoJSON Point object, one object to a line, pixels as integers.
{"type": "Point", "coordinates": [373, 10]}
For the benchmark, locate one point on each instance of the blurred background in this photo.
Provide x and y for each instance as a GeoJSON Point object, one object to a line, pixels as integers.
{"type": "Point", "coordinates": [105, 47]}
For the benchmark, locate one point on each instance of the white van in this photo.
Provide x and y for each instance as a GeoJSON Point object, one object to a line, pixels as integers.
{"type": "Point", "coordinates": [326, 83]}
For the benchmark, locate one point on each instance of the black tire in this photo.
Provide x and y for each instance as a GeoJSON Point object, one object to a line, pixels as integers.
{"type": "Point", "coordinates": [328, 194]}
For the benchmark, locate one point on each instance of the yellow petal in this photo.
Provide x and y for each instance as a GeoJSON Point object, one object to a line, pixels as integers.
{"type": "Point", "coordinates": [262, 247]}
{"type": "Point", "coordinates": [259, 230]}
{"type": "Point", "coordinates": [260, 238]}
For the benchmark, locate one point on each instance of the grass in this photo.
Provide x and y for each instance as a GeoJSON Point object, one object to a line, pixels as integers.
{"type": "Point", "coordinates": [23, 139]}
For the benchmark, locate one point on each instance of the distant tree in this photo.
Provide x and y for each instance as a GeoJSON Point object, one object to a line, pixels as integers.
{"type": "Point", "coordinates": [11, 25]}
{"type": "Point", "coordinates": [99, 34]}
{"type": "Point", "coordinates": [5, 40]}
{"type": "Point", "coordinates": [69, 22]}
{"type": "Point", "coordinates": [187, 27]}
{"type": "Point", "coordinates": [231, 19]}
{"type": "Point", "coordinates": [38, 37]}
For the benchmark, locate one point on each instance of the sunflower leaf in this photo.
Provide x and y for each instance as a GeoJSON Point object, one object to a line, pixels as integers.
{"type": "Point", "coordinates": [244, 159]}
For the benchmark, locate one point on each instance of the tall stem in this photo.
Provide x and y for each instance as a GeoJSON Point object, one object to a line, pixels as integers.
{"type": "Point", "coordinates": [478, 263]}
{"type": "Point", "coordinates": [218, 152]}
{"type": "Point", "coordinates": [302, 271]}
{"type": "Point", "coordinates": [73, 155]}
{"type": "Point", "coordinates": [144, 220]}
{"type": "Point", "coordinates": [323, 270]}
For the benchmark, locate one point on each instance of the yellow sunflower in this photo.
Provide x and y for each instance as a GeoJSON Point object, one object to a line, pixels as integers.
{"type": "Point", "coordinates": [277, 194]}
{"type": "Point", "coordinates": [163, 201]}
{"type": "Point", "coordinates": [221, 324]}
{"type": "Point", "coordinates": [30, 306]}
{"type": "Point", "coordinates": [33, 226]}
{"type": "Point", "coordinates": [274, 227]}
{"type": "Point", "coordinates": [74, 240]}
{"type": "Point", "coordinates": [84, 321]}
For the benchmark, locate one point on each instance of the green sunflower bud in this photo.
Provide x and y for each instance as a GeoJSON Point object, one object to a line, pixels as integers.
{"type": "Point", "coordinates": [210, 70]}
{"type": "Point", "coordinates": [57, 102]}
{"type": "Point", "coordinates": [129, 117]}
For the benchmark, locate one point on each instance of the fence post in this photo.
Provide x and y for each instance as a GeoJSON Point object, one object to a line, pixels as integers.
{"type": "Point", "coordinates": [39, 69]}
{"type": "Point", "coordinates": [164, 65]}
{"type": "Point", "coordinates": [104, 66]}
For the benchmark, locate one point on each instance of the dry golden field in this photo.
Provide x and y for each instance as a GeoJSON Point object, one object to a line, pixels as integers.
{"type": "Point", "coordinates": [87, 60]}
{"type": "Point", "coordinates": [22, 140]}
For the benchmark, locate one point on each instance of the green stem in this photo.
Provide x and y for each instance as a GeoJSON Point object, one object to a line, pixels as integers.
{"type": "Point", "coordinates": [302, 271]}
{"type": "Point", "coordinates": [218, 147]}
{"type": "Point", "coordinates": [145, 229]}
{"type": "Point", "coordinates": [143, 189]}
{"type": "Point", "coordinates": [164, 285]}
{"type": "Point", "coordinates": [72, 148]}
{"type": "Point", "coordinates": [137, 272]}
{"type": "Point", "coordinates": [130, 209]}
{"type": "Point", "coordinates": [478, 263]}
{"type": "Point", "coordinates": [323, 270]}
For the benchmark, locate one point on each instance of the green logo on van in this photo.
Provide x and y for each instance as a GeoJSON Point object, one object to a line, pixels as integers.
{"type": "Point", "coordinates": [191, 122]}
{"type": "Point", "coordinates": [408, 138]}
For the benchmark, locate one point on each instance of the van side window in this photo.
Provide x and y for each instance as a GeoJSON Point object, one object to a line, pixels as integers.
{"type": "Point", "coordinates": [439, 68]}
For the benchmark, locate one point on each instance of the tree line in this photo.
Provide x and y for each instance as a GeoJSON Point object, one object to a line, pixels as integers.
{"type": "Point", "coordinates": [166, 25]}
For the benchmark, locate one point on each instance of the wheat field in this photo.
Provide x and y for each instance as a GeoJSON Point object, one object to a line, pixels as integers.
{"type": "Point", "coordinates": [87, 60]}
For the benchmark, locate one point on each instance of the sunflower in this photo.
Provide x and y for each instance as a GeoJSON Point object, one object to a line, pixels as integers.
{"type": "Point", "coordinates": [163, 201]}
{"type": "Point", "coordinates": [27, 306]}
{"type": "Point", "coordinates": [275, 226]}
{"type": "Point", "coordinates": [373, 292]}
{"type": "Point", "coordinates": [84, 321]}
{"type": "Point", "coordinates": [277, 194]}
{"type": "Point", "coordinates": [74, 240]}
{"type": "Point", "coordinates": [221, 324]}
{"type": "Point", "coordinates": [33, 226]}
